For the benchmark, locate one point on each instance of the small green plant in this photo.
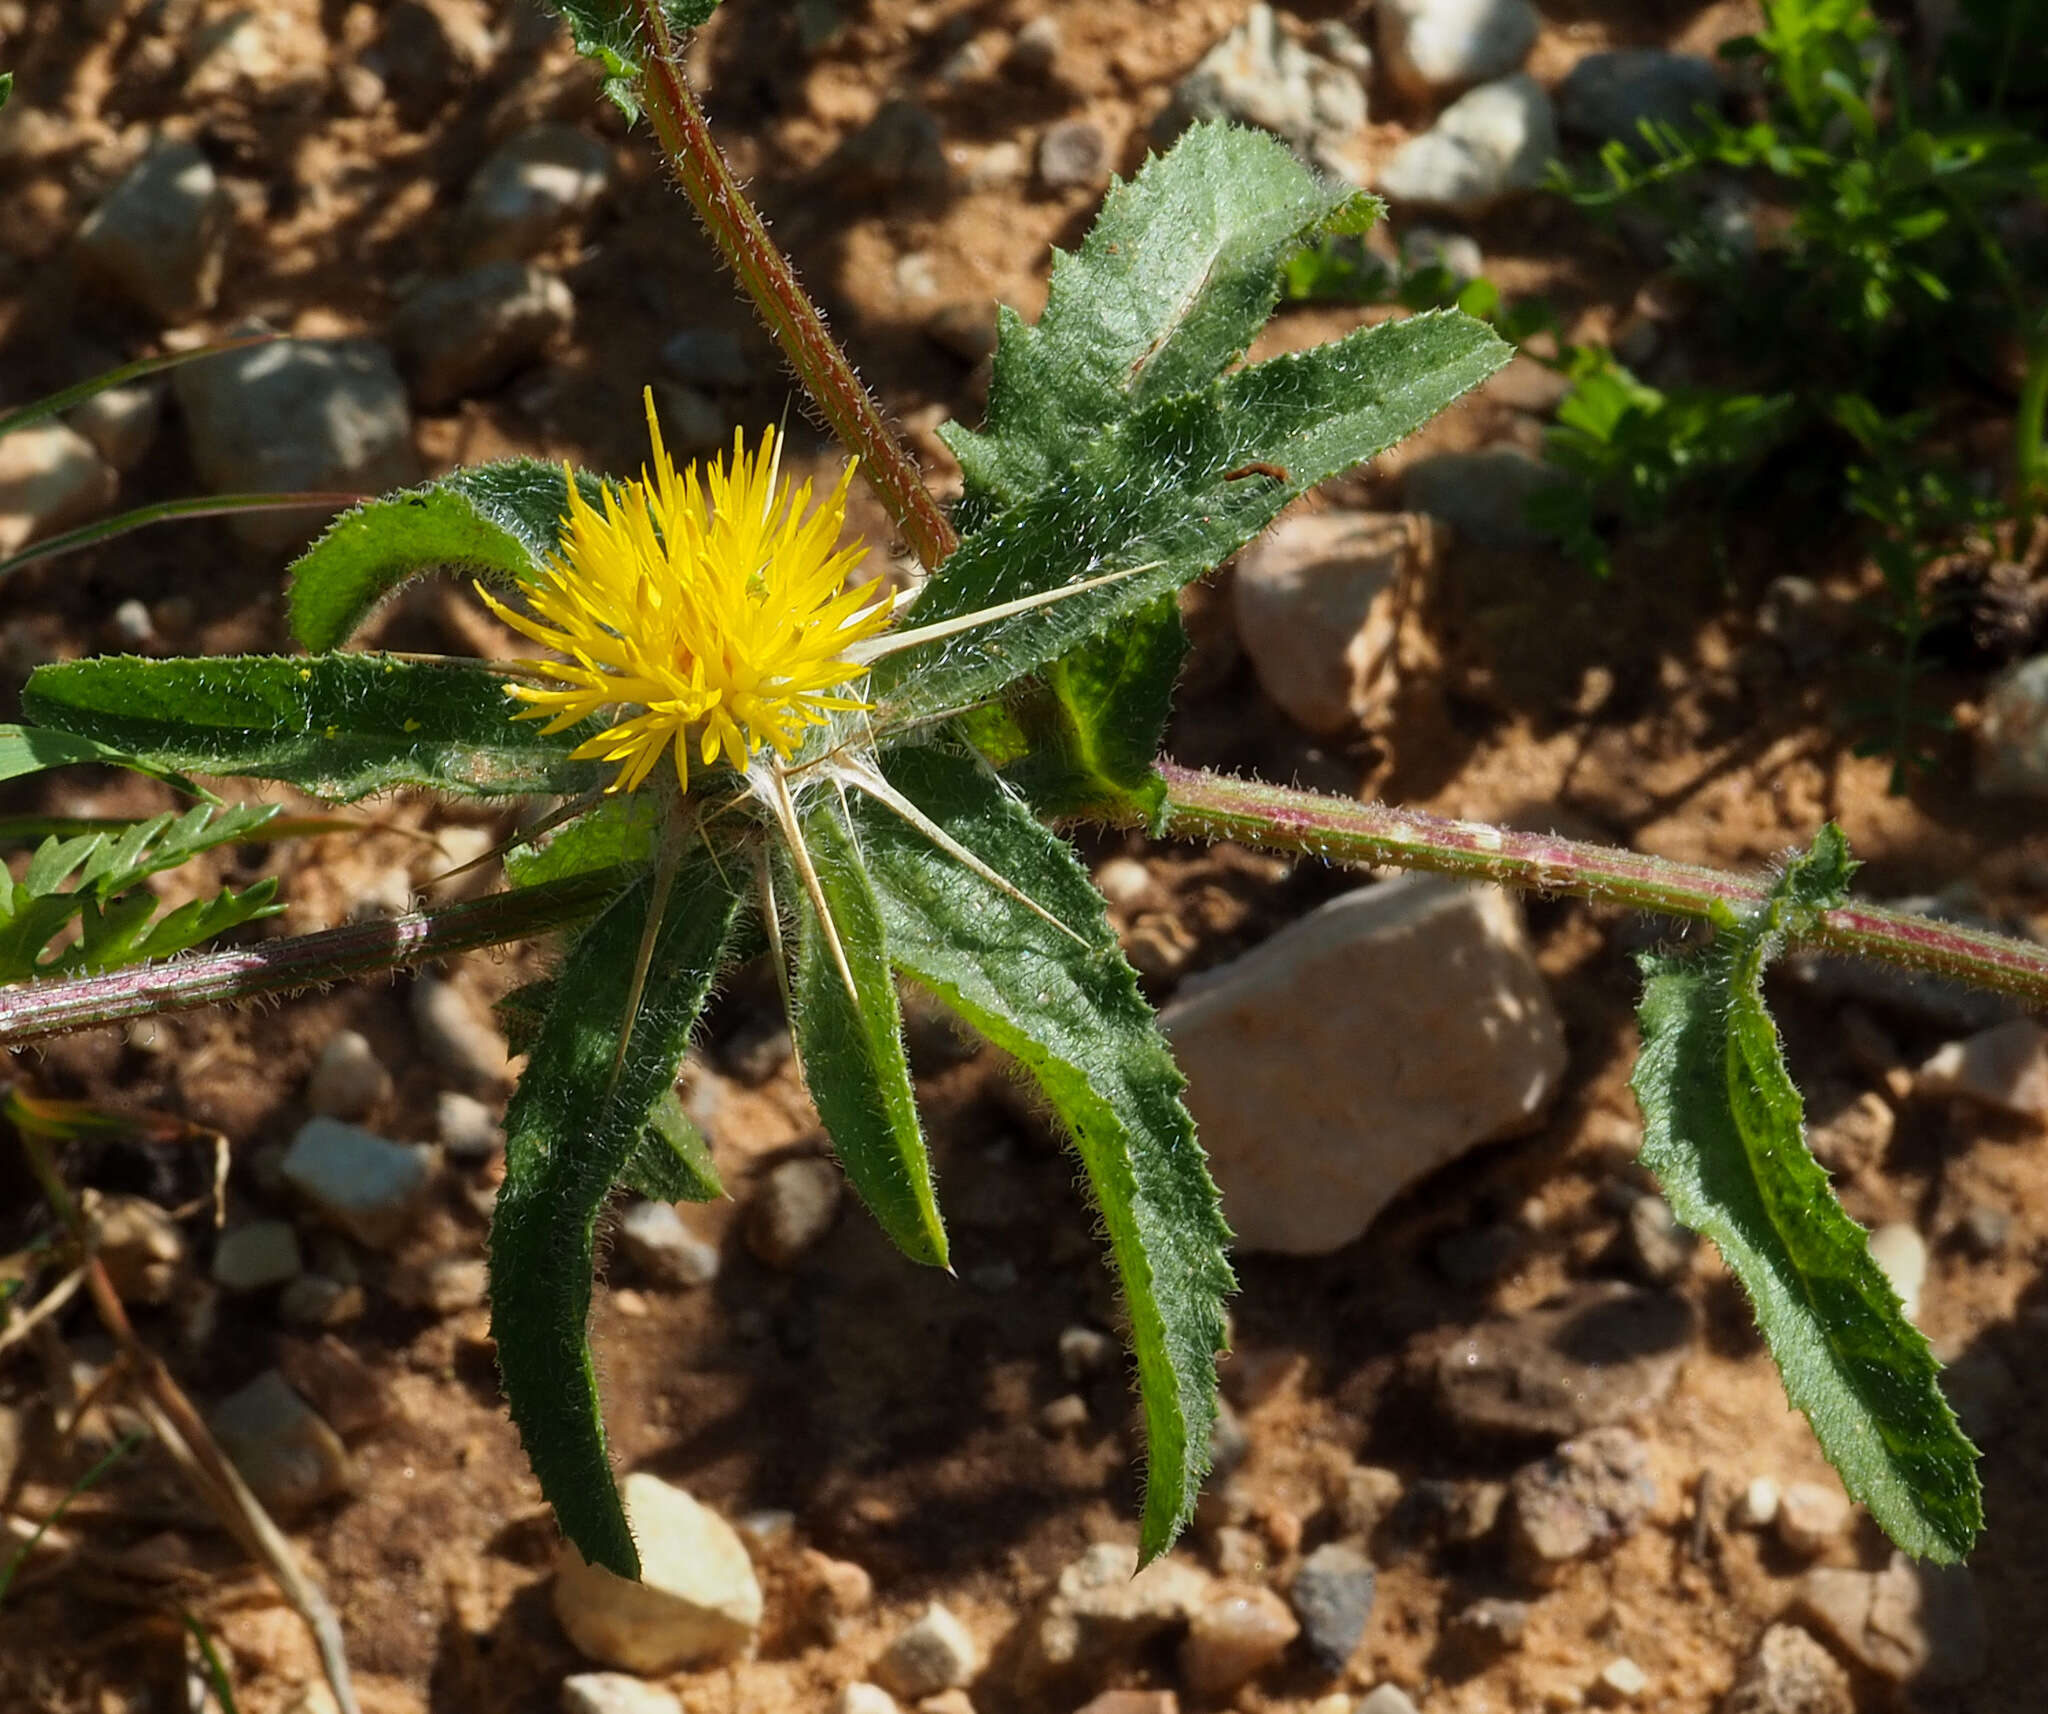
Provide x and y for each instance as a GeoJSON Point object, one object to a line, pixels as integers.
{"type": "Point", "coordinates": [750, 760]}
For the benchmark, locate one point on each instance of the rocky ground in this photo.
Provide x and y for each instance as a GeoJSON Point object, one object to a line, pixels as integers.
{"type": "Point", "coordinates": [1499, 1437]}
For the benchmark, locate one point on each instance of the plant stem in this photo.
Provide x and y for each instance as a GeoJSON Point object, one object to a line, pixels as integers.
{"type": "Point", "coordinates": [1199, 806]}
{"type": "Point", "coordinates": [742, 238]}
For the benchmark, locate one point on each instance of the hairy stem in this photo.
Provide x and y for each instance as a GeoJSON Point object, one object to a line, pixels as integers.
{"type": "Point", "coordinates": [1199, 806]}
{"type": "Point", "coordinates": [762, 269]}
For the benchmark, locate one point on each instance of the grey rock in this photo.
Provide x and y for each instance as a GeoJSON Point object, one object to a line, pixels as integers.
{"type": "Point", "coordinates": [1487, 1628]}
{"type": "Point", "coordinates": [348, 1078]}
{"type": "Point", "coordinates": [1317, 600]}
{"type": "Point", "coordinates": [1036, 47]}
{"type": "Point", "coordinates": [1584, 1499]}
{"type": "Point", "coordinates": [259, 1254]}
{"type": "Point", "coordinates": [529, 190]}
{"type": "Point", "coordinates": [297, 414]}
{"type": "Point", "coordinates": [459, 337]}
{"type": "Point", "coordinates": [1984, 1231]}
{"type": "Point", "coordinates": [1102, 1609]}
{"type": "Point", "coordinates": [697, 1600]}
{"type": "Point", "coordinates": [316, 1300]}
{"type": "Point", "coordinates": [445, 1286]}
{"type": "Point", "coordinates": [121, 422]}
{"type": "Point", "coordinates": [2012, 734]}
{"type": "Point", "coordinates": [426, 51]}
{"type": "Point", "coordinates": [707, 357]}
{"type": "Point", "coordinates": [933, 1653]}
{"type": "Point", "coordinates": [1314, 1114]}
{"type": "Point", "coordinates": [160, 237]}
{"type": "Point", "coordinates": [1259, 75]}
{"type": "Point", "coordinates": [615, 1693]}
{"type": "Point", "coordinates": [284, 1449]}
{"type": "Point", "coordinates": [1073, 155]}
{"type": "Point", "coordinates": [793, 1209]}
{"type": "Point", "coordinates": [1592, 1355]}
{"type": "Point", "coordinates": [1363, 1496]}
{"type": "Point", "coordinates": [1457, 253]}
{"type": "Point", "coordinates": [2004, 1068]}
{"type": "Point", "coordinates": [466, 1127]}
{"type": "Point", "coordinates": [141, 1247]}
{"type": "Point", "coordinates": [652, 1236]}
{"type": "Point", "coordinates": [51, 477]}
{"type": "Point", "coordinates": [1608, 95]}
{"type": "Point", "coordinates": [1659, 1250]}
{"type": "Point", "coordinates": [1236, 1632]}
{"type": "Point", "coordinates": [1332, 1596]}
{"type": "Point", "coordinates": [1910, 1623]}
{"type": "Point", "coordinates": [1430, 47]}
{"type": "Point", "coordinates": [457, 1036]}
{"type": "Point", "coordinates": [1490, 142]}
{"type": "Point", "coordinates": [364, 1184]}
{"type": "Point", "coordinates": [897, 150]}
{"type": "Point", "coordinates": [1790, 1673]}
{"type": "Point", "coordinates": [1484, 494]}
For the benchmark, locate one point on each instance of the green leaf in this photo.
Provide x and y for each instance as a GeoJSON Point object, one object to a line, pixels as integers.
{"type": "Point", "coordinates": [338, 726]}
{"type": "Point", "coordinates": [571, 1129]}
{"type": "Point", "coordinates": [623, 827]}
{"type": "Point", "coordinates": [1178, 273]}
{"type": "Point", "coordinates": [1073, 1017]}
{"type": "Point", "coordinates": [672, 1162]}
{"type": "Point", "coordinates": [497, 521]}
{"type": "Point", "coordinates": [609, 32]}
{"type": "Point", "coordinates": [1172, 493]}
{"type": "Point", "coordinates": [1724, 1134]}
{"type": "Point", "coordinates": [31, 749]}
{"type": "Point", "coordinates": [851, 1043]}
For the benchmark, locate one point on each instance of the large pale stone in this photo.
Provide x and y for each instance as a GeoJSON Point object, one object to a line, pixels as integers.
{"type": "Point", "coordinates": [1360, 1049]}
{"type": "Point", "coordinates": [50, 478]}
{"type": "Point", "coordinates": [1491, 141]}
{"type": "Point", "coordinates": [1429, 46]}
{"type": "Point", "coordinates": [160, 236]}
{"type": "Point", "coordinates": [697, 1599]}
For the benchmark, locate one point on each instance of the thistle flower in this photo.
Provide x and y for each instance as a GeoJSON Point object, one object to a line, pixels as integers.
{"type": "Point", "coordinates": [706, 616]}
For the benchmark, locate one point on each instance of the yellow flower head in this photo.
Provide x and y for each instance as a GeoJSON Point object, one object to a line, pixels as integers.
{"type": "Point", "coordinates": [710, 616]}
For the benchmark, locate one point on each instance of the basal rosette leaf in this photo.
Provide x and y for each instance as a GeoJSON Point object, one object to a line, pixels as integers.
{"type": "Point", "coordinates": [1724, 1134]}
{"type": "Point", "coordinates": [1072, 1015]}
{"type": "Point", "coordinates": [572, 1130]}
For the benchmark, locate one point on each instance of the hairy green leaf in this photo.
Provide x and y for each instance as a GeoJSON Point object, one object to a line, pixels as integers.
{"type": "Point", "coordinates": [571, 1129]}
{"type": "Point", "coordinates": [672, 1162]}
{"type": "Point", "coordinates": [609, 32]}
{"type": "Point", "coordinates": [31, 749]}
{"type": "Point", "coordinates": [497, 521]}
{"type": "Point", "coordinates": [1171, 493]}
{"type": "Point", "coordinates": [1178, 273]}
{"type": "Point", "coordinates": [338, 726]}
{"type": "Point", "coordinates": [1073, 1017]}
{"type": "Point", "coordinates": [623, 827]}
{"type": "Point", "coordinates": [1724, 1134]}
{"type": "Point", "coordinates": [851, 1043]}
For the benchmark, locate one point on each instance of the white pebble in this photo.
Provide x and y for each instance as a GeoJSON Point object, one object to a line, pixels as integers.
{"type": "Point", "coordinates": [1758, 1504]}
{"type": "Point", "coordinates": [1902, 1253]}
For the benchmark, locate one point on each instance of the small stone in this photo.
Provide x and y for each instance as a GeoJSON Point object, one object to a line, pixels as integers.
{"type": "Point", "coordinates": [140, 1246]}
{"type": "Point", "coordinates": [314, 1300]}
{"type": "Point", "coordinates": [1486, 1629]}
{"type": "Point", "coordinates": [50, 478]}
{"type": "Point", "coordinates": [1901, 1252]}
{"type": "Point", "coordinates": [121, 422]}
{"type": "Point", "coordinates": [1385, 1699]}
{"type": "Point", "coordinates": [1984, 1231]}
{"type": "Point", "coordinates": [1086, 1352]}
{"type": "Point", "coordinates": [1582, 1500]}
{"type": "Point", "coordinates": [1102, 1609]}
{"type": "Point", "coordinates": [835, 1592]}
{"type": "Point", "coordinates": [1483, 495]}
{"type": "Point", "coordinates": [967, 329]}
{"type": "Point", "coordinates": [1365, 1495]}
{"type": "Point", "coordinates": [935, 1653]}
{"type": "Point", "coordinates": [792, 1210]}
{"type": "Point", "coordinates": [132, 625]}
{"type": "Point", "coordinates": [531, 188]}
{"type": "Point", "coordinates": [1259, 75]}
{"type": "Point", "coordinates": [1073, 155]}
{"type": "Point", "coordinates": [1756, 1507]}
{"type": "Point", "coordinates": [1067, 1414]}
{"type": "Point", "coordinates": [1235, 1634]}
{"type": "Point", "coordinates": [1659, 1250]}
{"type": "Point", "coordinates": [769, 1528]}
{"type": "Point", "coordinates": [862, 1698]}
{"type": "Point", "coordinates": [160, 237]}
{"type": "Point", "coordinates": [459, 1038]}
{"type": "Point", "coordinates": [368, 1186]}
{"type": "Point", "coordinates": [946, 1702]}
{"type": "Point", "coordinates": [1499, 138]}
{"type": "Point", "coordinates": [1811, 1516]}
{"type": "Point", "coordinates": [1313, 1116]}
{"type": "Point", "coordinates": [1607, 96]}
{"type": "Point", "coordinates": [1854, 1140]}
{"type": "Point", "coordinates": [259, 1254]}
{"type": "Point", "coordinates": [467, 1128]}
{"type": "Point", "coordinates": [1132, 1702]}
{"type": "Point", "coordinates": [428, 50]}
{"type": "Point", "coordinates": [1036, 47]}
{"type": "Point", "coordinates": [697, 1600]}
{"type": "Point", "coordinates": [336, 1382]}
{"type": "Point", "coordinates": [348, 1079]}
{"type": "Point", "coordinates": [450, 1285]}
{"type": "Point", "coordinates": [2005, 1068]}
{"type": "Point", "coordinates": [2012, 733]}
{"type": "Point", "coordinates": [459, 337]}
{"type": "Point", "coordinates": [615, 1693]}
{"type": "Point", "coordinates": [1790, 1673]}
{"type": "Point", "coordinates": [1457, 253]}
{"type": "Point", "coordinates": [707, 357]}
{"type": "Point", "coordinates": [286, 1452]}
{"type": "Point", "coordinates": [1910, 1623]}
{"type": "Point", "coordinates": [1332, 1596]}
{"type": "Point", "coordinates": [654, 1239]}
{"type": "Point", "coordinates": [296, 414]}
{"type": "Point", "coordinates": [999, 166]}
{"type": "Point", "coordinates": [757, 1050]}
{"type": "Point", "coordinates": [897, 150]}
{"type": "Point", "coordinates": [1432, 46]}
{"type": "Point", "coordinates": [692, 421]}
{"type": "Point", "coordinates": [1619, 1681]}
